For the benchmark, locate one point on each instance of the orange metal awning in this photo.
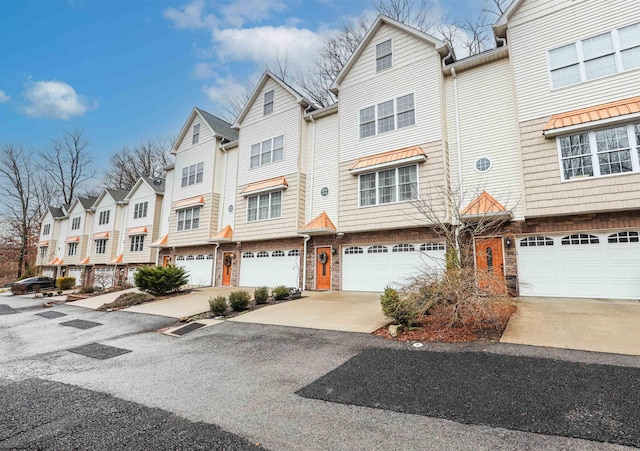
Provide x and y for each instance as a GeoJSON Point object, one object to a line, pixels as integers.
{"type": "Point", "coordinates": [43, 244]}
{"type": "Point", "coordinates": [605, 111]}
{"type": "Point", "coordinates": [101, 236]}
{"type": "Point", "coordinates": [225, 234]}
{"type": "Point", "coordinates": [265, 185]}
{"type": "Point", "coordinates": [136, 231]}
{"type": "Point", "coordinates": [189, 202]}
{"type": "Point", "coordinates": [84, 261]}
{"type": "Point", "coordinates": [73, 239]}
{"type": "Point", "coordinates": [482, 205]}
{"type": "Point", "coordinates": [413, 153]}
{"type": "Point", "coordinates": [116, 260]}
{"type": "Point", "coordinates": [161, 242]}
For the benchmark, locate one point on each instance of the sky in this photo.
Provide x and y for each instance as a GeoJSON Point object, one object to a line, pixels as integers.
{"type": "Point", "coordinates": [127, 71]}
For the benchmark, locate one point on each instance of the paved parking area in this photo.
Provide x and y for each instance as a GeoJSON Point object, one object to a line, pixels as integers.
{"type": "Point", "coordinates": [583, 324]}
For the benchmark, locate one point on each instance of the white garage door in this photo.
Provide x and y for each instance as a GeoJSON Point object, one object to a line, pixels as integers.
{"type": "Point", "coordinates": [77, 273]}
{"type": "Point", "coordinates": [199, 267]}
{"type": "Point", "coordinates": [47, 272]}
{"type": "Point", "coordinates": [103, 277]}
{"type": "Point", "coordinates": [373, 267]}
{"type": "Point", "coordinates": [591, 265]}
{"type": "Point", "coordinates": [270, 269]}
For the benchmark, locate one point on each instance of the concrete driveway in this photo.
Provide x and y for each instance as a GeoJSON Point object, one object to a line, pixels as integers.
{"type": "Point", "coordinates": [583, 324]}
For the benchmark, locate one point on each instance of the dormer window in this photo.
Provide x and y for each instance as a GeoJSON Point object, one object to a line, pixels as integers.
{"type": "Point", "coordinates": [383, 55]}
{"type": "Point", "coordinates": [268, 103]}
{"type": "Point", "coordinates": [196, 134]}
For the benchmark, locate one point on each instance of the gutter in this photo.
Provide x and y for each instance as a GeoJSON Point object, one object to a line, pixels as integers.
{"type": "Point", "coordinates": [304, 262]}
{"type": "Point", "coordinates": [215, 263]}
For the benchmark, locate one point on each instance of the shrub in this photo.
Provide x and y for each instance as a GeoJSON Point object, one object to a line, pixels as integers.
{"type": "Point", "coordinates": [66, 283]}
{"type": "Point", "coordinates": [218, 305]}
{"type": "Point", "coordinates": [127, 300]}
{"type": "Point", "coordinates": [161, 280]}
{"type": "Point", "coordinates": [403, 309]}
{"type": "Point", "coordinates": [239, 300]}
{"type": "Point", "coordinates": [261, 294]}
{"type": "Point", "coordinates": [86, 290]}
{"type": "Point", "coordinates": [281, 292]}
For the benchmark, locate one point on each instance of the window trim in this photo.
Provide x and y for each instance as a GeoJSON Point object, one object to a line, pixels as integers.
{"type": "Point", "coordinates": [101, 246]}
{"type": "Point", "coordinates": [73, 223]}
{"type": "Point", "coordinates": [198, 174]}
{"type": "Point", "coordinates": [140, 209]}
{"type": "Point", "coordinates": [271, 142]}
{"type": "Point", "coordinates": [397, 186]}
{"type": "Point", "coordinates": [376, 117]}
{"type": "Point", "coordinates": [195, 137]}
{"type": "Point", "coordinates": [46, 229]}
{"type": "Point", "coordinates": [582, 72]}
{"type": "Point", "coordinates": [377, 58]}
{"type": "Point", "coordinates": [72, 247]}
{"type": "Point", "coordinates": [266, 105]}
{"type": "Point", "coordinates": [634, 149]}
{"type": "Point", "coordinates": [184, 220]}
{"type": "Point", "coordinates": [136, 243]}
{"type": "Point", "coordinates": [104, 217]}
{"type": "Point", "coordinates": [269, 207]}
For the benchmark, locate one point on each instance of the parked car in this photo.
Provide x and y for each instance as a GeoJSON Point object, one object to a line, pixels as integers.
{"type": "Point", "coordinates": [31, 283]}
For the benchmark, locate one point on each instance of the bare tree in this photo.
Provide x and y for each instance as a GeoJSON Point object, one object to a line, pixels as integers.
{"type": "Point", "coordinates": [21, 208]}
{"type": "Point", "coordinates": [68, 163]}
{"type": "Point", "coordinates": [130, 163]}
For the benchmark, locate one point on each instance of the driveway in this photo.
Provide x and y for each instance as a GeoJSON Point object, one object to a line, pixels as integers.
{"type": "Point", "coordinates": [583, 324]}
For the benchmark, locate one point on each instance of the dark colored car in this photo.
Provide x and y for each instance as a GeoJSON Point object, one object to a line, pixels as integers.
{"type": "Point", "coordinates": [31, 283]}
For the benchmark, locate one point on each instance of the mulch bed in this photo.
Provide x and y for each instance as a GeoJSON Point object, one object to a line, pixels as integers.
{"type": "Point", "coordinates": [231, 313]}
{"type": "Point", "coordinates": [435, 327]}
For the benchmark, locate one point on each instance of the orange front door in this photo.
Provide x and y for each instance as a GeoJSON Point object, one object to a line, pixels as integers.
{"type": "Point", "coordinates": [227, 260]}
{"type": "Point", "coordinates": [490, 264]}
{"type": "Point", "coordinates": [166, 260]}
{"type": "Point", "coordinates": [323, 268]}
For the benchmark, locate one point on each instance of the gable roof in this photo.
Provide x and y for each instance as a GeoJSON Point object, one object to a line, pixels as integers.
{"type": "Point", "coordinates": [501, 24]}
{"type": "Point", "coordinates": [117, 194]}
{"type": "Point", "coordinates": [87, 202]}
{"type": "Point", "coordinates": [56, 212]}
{"type": "Point", "coordinates": [263, 81]}
{"type": "Point", "coordinates": [219, 127]}
{"type": "Point", "coordinates": [319, 225]}
{"type": "Point", "coordinates": [484, 205]}
{"type": "Point", "coordinates": [439, 45]}
{"type": "Point", "coordinates": [156, 184]}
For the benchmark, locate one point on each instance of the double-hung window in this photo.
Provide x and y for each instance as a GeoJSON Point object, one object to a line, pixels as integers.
{"type": "Point", "coordinates": [137, 243]}
{"type": "Point", "coordinates": [389, 186]}
{"type": "Point", "coordinates": [101, 246]}
{"type": "Point", "coordinates": [600, 152]}
{"type": "Point", "coordinates": [192, 174]}
{"type": "Point", "coordinates": [384, 56]}
{"type": "Point", "coordinates": [268, 103]}
{"type": "Point", "coordinates": [196, 134]}
{"type": "Point", "coordinates": [75, 223]}
{"type": "Point", "coordinates": [387, 116]}
{"type": "Point", "coordinates": [103, 218]}
{"type": "Point", "coordinates": [43, 251]}
{"type": "Point", "coordinates": [598, 56]}
{"type": "Point", "coordinates": [73, 249]}
{"type": "Point", "coordinates": [46, 229]}
{"type": "Point", "coordinates": [188, 219]}
{"type": "Point", "coordinates": [140, 210]}
{"type": "Point", "coordinates": [264, 206]}
{"type": "Point", "coordinates": [268, 151]}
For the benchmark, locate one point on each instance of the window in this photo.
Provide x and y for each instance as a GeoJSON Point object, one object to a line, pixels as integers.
{"type": "Point", "coordinates": [188, 219]}
{"type": "Point", "coordinates": [353, 250]}
{"type": "Point", "coordinates": [403, 248]}
{"type": "Point", "coordinates": [383, 55]}
{"type": "Point", "coordinates": [196, 134]}
{"type": "Point", "coordinates": [262, 254]}
{"type": "Point", "coordinates": [277, 254]}
{"type": "Point", "coordinates": [266, 152]}
{"type": "Point", "coordinates": [601, 152]}
{"type": "Point", "coordinates": [483, 164]}
{"type": "Point", "coordinates": [268, 103]}
{"type": "Point", "coordinates": [200, 257]}
{"type": "Point", "coordinates": [140, 210]}
{"type": "Point", "coordinates": [387, 116]}
{"type": "Point", "coordinates": [377, 249]}
{"type": "Point", "coordinates": [46, 229]}
{"type": "Point", "coordinates": [595, 57]}
{"type": "Point", "coordinates": [247, 255]}
{"type": "Point", "coordinates": [324, 191]}
{"type": "Point", "coordinates": [294, 253]}
{"type": "Point", "coordinates": [192, 174]}
{"type": "Point", "coordinates": [101, 246]}
{"type": "Point", "coordinates": [103, 218]}
{"type": "Point", "coordinates": [580, 238]}
{"type": "Point", "coordinates": [137, 243]}
{"type": "Point", "coordinates": [264, 206]}
{"type": "Point", "coordinates": [180, 258]}
{"type": "Point", "coordinates": [75, 223]}
{"type": "Point", "coordinates": [536, 241]}
{"type": "Point", "coordinates": [72, 249]}
{"type": "Point", "coordinates": [433, 246]}
{"type": "Point", "coordinates": [43, 251]}
{"type": "Point", "coordinates": [389, 186]}
{"type": "Point", "coordinates": [190, 257]}
{"type": "Point", "coordinates": [624, 237]}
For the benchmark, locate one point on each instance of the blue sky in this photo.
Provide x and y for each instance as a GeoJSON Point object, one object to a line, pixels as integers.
{"type": "Point", "coordinates": [126, 71]}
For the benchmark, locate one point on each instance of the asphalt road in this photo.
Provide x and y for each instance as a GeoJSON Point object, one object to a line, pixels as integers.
{"type": "Point", "coordinates": [240, 379]}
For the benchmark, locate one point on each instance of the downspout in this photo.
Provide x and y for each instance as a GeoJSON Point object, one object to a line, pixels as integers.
{"type": "Point", "coordinates": [215, 264]}
{"type": "Point", "coordinates": [459, 149]}
{"type": "Point", "coordinates": [223, 193]}
{"type": "Point", "coordinates": [304, 263]}
{"type": "Point", "coordinates": [313, 165]}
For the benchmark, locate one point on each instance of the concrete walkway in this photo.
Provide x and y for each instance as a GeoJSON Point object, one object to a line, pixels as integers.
{"type": "Point", "coordinates": [583, 324]}
{"type": "Point", "coordinates": [184, 305]}
{"type": "Point", "coordinates": [329, 310]}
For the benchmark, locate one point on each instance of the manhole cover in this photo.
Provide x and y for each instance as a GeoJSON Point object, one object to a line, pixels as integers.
{"type": "Point", "coordinates": [51, 314]}
{"type": "Point", "coordinates": [80, 324]}
{"type": "Point", "coordinates": [98, 351]}
{"type": "Point", "coordinates": [188, 328]}
{"type": "Point", "coordinates": [6, 310]}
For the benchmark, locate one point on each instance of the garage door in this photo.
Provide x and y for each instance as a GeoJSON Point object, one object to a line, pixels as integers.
{"type": "Point", "coordinates": [270, 269]}
{"type": "Point", "coordinates": [47, 272]}
{"type": "Point", "coordinates": [373, 267]}
{"type": "Point", "coordinates": [77, 273]}
{"type": "Point", "coordinates": [591, 265]}
{"type": "Point", "coordinates": [103, 277]}
{"type": "Point", "coordinates": [199, 267]}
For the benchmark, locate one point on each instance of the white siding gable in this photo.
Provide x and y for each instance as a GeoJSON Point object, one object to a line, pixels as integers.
{"type": "Point", "coordinates": [323, 168]}
{"type": "Point", "coordinates": [204, 136]}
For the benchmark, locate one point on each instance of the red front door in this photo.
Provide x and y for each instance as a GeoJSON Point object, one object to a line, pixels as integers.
{"type": "Point", "coordinates": [227, 260]}
{"type": "Point", "coordinates": [323, 268]}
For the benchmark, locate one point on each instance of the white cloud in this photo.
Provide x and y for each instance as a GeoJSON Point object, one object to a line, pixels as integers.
{"type": "Point", "coordinates": [235, 13]}
{"type": "Point", "coordinates": [203, 71]}
{"type": "Point", "coordinates": [263, 45]}
{"type": "Point", "coordinates": [239, 11]}
{"type": "Point", "coordinates": [54, 99]}
{"type": "Point", "coordinates": [189, 16]}
{"type": "Point", "coordinates": [4, 97]}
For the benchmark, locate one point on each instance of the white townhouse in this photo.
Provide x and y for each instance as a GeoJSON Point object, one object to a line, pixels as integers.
{"type": "Point", "coordinates": [50, 252]}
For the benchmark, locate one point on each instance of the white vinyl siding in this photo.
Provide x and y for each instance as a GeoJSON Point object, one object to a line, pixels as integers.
{"type": "Point", "coordinates": [322, 161]}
